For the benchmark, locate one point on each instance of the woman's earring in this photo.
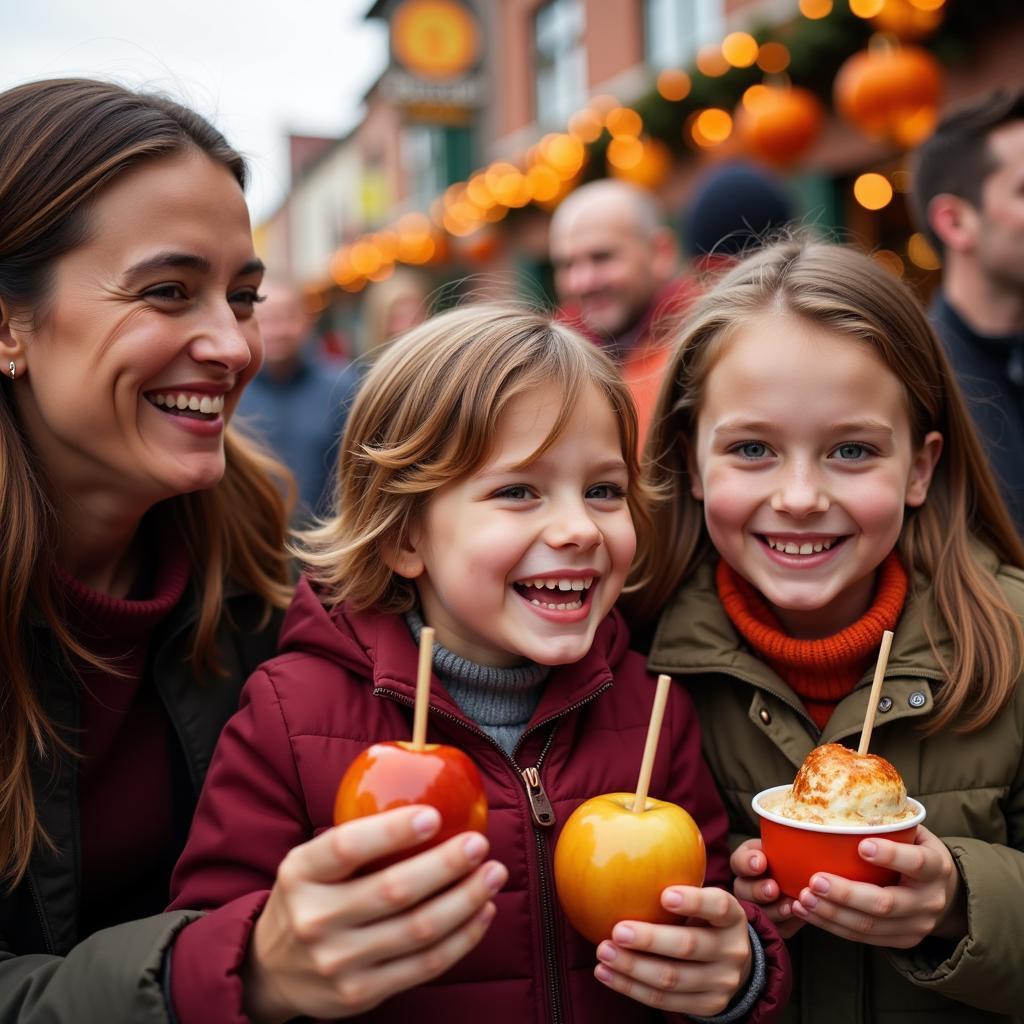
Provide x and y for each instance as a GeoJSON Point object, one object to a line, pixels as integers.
{"type": "Point", "coordinates": [13, 369]}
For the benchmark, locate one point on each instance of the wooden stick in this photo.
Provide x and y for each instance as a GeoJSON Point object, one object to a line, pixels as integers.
{"type": "Point", "coordinates": [876, 688]}
{"type": "Point", "coordinates": [419, 718]}
{"type": "Point", "coordinates": [651, 746]}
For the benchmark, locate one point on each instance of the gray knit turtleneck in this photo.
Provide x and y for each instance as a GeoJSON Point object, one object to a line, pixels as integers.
{"type": "Point", "coordinates": [499, 700]}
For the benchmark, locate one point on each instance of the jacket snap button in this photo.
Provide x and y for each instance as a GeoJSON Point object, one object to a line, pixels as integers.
{"type": "Point", "coordinates": [766, 716]}
{"type": "Point", "coordinates": [885, 704]}
{"type": "Point", "coordinates": [917, 699]}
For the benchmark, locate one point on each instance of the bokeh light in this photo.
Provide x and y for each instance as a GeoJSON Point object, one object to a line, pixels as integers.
{"type": "Point", "coordinates": [866, 8]}
{"type": "Point", "coordinates": [710, 61]}
{"type": "Point", "coordinates": [674, 84]}
{"type": "Point", "coordinates": [892, 261]}
{"type": "Point", "coordinates": [773, 58]}
{"type": "Point", "coordinates": [586, 125]}
{"type": "Point", "coordinates": [900, 180]}
{"type": "Point", "coordinates": [711, 127]}
{"type": "Point", "coordinates": [815, 9]}
{"type": "Point", "coordinates": [740, 49]}
{"type": "Point", "coordinates": [873, 191]}
{"type": "Point", "coordinates": [625, 151]}
{"type": "Point", "coordinates": [921, 253]}
{"type": "Point", "coordinates": [623, 121]}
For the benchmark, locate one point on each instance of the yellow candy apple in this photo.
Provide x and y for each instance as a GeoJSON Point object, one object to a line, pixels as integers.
{"type": "Point", "coordinates": [612, 864]}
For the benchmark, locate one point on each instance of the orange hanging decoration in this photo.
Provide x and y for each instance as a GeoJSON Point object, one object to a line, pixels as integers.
{"type": "Point", "coordinates": [907, 21]}
{"type": "Point", "coordinates": [779, 124]}
{"type": "Point", "coordinates": [890, 92]}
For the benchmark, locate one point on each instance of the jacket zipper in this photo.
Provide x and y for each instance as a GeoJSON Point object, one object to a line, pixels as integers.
{"type": "Point", "coordinates": [41, 914]}
{"type": "Point", "coordinates": [543, 818]}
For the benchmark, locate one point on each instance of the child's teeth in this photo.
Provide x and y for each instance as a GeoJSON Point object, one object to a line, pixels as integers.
{"type": "Point", "coordinates": [792, 548]}
{"type": "Point", "coordinates": [560, 584]}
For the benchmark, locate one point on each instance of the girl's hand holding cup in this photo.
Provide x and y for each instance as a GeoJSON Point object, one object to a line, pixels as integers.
{"type": "Point", "coordinates": [927, 900]}
{"type": "Point", "coordinates": [752, 883]}
{"type": "Point", "coordinates": [332, 943]}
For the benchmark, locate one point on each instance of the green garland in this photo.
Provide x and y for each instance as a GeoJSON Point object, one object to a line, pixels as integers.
{"type": "Point", "coordinates": [817, 48]}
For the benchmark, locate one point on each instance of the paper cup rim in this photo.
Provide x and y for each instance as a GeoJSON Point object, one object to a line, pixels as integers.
{"type": "Point", "coordinates": [842, 830]}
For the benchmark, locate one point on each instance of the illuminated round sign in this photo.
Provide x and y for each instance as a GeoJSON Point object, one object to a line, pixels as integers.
{"type": "Point", "coordinates": [435, 38]}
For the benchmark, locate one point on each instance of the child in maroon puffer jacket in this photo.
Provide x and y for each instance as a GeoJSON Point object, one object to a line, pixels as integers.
{"type": "Point", "coordinates": [487, 487]}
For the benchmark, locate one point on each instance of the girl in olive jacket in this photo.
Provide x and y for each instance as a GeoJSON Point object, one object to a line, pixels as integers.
{"type": "Point", "coordinates": [823, 483]}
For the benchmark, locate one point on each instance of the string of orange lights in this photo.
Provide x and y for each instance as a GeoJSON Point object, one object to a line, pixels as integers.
{"type": "Point", "coordinates": [777, 121]}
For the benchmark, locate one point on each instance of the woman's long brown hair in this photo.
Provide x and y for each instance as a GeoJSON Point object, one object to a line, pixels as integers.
{"type": "Point", "coordinates": [61, 142]}
{"type": "Point", "coordinates": [845, 291]}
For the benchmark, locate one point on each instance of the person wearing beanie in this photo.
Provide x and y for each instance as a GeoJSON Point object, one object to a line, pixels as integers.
{"type": "Point", "coordinates": [733, 207]}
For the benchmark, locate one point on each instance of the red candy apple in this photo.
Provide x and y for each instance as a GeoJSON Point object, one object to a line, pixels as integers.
{"type": "Point", "coordinates": [612, 863]}
{"type": "Point", "coordinates": [389, 775]}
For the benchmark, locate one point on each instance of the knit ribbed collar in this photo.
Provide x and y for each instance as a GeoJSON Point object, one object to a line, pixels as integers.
{"type": "Point", "coordinates": [100, 614]}
{"type": "Point", "coordinates": [848, 648]}
{"type": "Point", "coordinates": [453, 667]}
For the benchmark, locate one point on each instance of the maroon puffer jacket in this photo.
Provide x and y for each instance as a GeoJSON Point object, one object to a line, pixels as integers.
{"type": "Point", "coordinates": [347, 680]}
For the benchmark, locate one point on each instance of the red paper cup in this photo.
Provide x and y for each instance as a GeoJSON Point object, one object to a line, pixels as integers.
{"type": "Point", "coordinates": [797, 849]}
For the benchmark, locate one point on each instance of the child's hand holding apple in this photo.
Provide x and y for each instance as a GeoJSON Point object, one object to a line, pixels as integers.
{"type": "Point", "coordinates": [628, 871]}
{"type": "Point", "coordinates": [332, 942]}
{"type": "Point", "coordinates": [694, 968]}
{"type": "Point", "coordinates": [393, 896]}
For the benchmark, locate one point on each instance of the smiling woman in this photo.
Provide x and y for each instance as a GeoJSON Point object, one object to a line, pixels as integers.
{"type": "Point", "coordinates": [142, 562]}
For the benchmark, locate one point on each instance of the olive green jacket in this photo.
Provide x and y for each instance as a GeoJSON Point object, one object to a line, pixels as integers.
{"type": "Point", "coordinates": [756, 734]}
{"type": "Point", "coordinates": [47, 974]}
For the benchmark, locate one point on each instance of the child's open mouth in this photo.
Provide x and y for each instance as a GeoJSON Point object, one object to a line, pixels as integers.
{"type": "Point", "coordinates": [556, 594]}
{"type": "Point", "coordinates": [189, 405]}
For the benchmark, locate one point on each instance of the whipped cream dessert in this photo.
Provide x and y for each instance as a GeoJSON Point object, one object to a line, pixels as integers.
{"type": "Point", "coordinates": [838, 786]}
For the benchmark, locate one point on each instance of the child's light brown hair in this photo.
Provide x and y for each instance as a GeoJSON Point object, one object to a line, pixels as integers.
{"type": "Point", "coordinates": [842, 290]}
{"type": "Point", "coordinates": [426, 415]}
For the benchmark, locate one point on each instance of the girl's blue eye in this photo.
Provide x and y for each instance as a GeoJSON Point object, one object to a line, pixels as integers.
{"type": "Point", "coordinates": [753, 449]}
{"type": "Point", "coordinates": [851, 452]}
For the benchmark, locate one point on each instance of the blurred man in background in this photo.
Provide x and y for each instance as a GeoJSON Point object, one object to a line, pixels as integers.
{"type": "Point", "coordinates": [616, 262]}
{"type": "Point", "coordinates": [298, 402]}
{"type": "Point", "coordinates": [968, 191]}
{"type": "Point", "coordinates": [616, 268]}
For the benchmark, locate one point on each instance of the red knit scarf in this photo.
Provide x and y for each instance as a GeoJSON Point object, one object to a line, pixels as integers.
{"type": "Point", "coordinates": [821, 671]}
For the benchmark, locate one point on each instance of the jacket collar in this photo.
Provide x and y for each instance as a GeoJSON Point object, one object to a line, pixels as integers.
{"type": "Point", "coordinates": [380, 647]}
{"type": "Point", "coordinates": [696, 638]}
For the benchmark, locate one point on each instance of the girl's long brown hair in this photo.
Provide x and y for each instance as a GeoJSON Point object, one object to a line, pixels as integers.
{"type": "Point", "coordinates": [61, 142]}
{"type": "Point", "coordinates": [843, 290]}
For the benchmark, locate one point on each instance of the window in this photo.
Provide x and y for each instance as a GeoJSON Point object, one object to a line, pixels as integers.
{"type": "Point", "coordinates": [436, 156]}
{"type": "Point", "coordinates": [561, 61]}
{"type": "Point", "coordinates": [675, 29]}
